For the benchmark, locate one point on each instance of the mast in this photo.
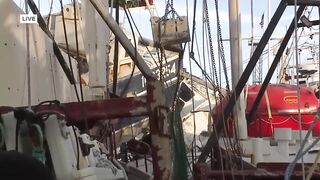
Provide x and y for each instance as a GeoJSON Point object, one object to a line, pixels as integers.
{"type": "Point", "coordinates": [96, 39]}
{"type": "Point", "coordinates": [28, 58]}
{"type": "Point", "coordinates": [236, 65]}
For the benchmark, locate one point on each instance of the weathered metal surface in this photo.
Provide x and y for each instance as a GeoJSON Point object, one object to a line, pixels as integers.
{"type": "Point", "coordinates": [48, 80]}
{"type": "Point", "coordinates": [202, 172]}
{"type": "Point", "coordinates": [152, 105]}
{"type": "Point", "coordinates": [161, 154]}
{"type": "Point", "coordinates": [170, 31]}
{"type": "Point", "coordinates": [95, 41]}
{"type": "Point", "coordinates": [123, 39]}
{"type": "Point", "coordinates": [76, 112]}
{"type": "Point", "coordinates": [304, 2]}
{"type": "Point", "coordinates": [159, 129]}
{"type": "Point", "coordinates": [137, 83]}
{"type": "Point", "coordinates": [56, 49]}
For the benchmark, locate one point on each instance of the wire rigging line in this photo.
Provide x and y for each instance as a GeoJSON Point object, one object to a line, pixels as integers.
{"type": "Point", "coordinates": [297, 74]}
{"type": "Point", "coordinates": [313, 167]}
{"type": "Point", "coordinates": [57, 51]}
{"type": "Point", "coordinates": [318, 154]}
{"type": "Point", "coordinates": [207, 47]}
{"type": "Point", "coordinates": [319, 57]}
{"type": "Point", "coordinates": [204, 34]}
{"type": "Point", "coordinates": [136, 52]}
{"type": "Point", "coordinates": [154, 60]}
{"type": "Point", "coordinates": [193, 144]}
{"type": "Point", "coordinates": [213, 67]}
{"type": "Point", "coordinates": [173, 106]}
{"type": "Point", "coordinates": [291, 166]}
{"type": "Point", "coordinates": [198, 53]}
{"type": "Point", "coordinates": [80, 83]}
{"type": "Point", "coordinates": [53, 79]}
{"type": "Point", "coordinates": [68, 50]}
{"type": "Point", "coordinates": [221, 57]}
{"type": "Point", "coordinates": [193, 25]}
{"type": "Point", "coordinates": [206, 74]}
{"type": "Point", "coordinates": [28, 59]}
{"type": "Point", "coordinates": [77, 48]}
{"type": "Point", "coordinates": [252, 27]}
{"type": "Point", "coordinates": [180, 56]}
{"type": "Point", "coordinates": [78, 146]}
{"type": "Point", "coordinates": [50, 11]}
{"type": "Point", "coordinates": [162, 55]}
{"type": "Point", "coordinates": [210, 125]}
{"type": "Point", "coordinates": [116, 52]}
{"type": "Point", "coordinates": [292, 44]}
{"type": "Point", "coordinates": [191, 56]}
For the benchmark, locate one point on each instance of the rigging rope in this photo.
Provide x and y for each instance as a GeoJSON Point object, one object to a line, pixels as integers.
{"type": "Point", "coordinates": [297, 71]}
{"type": "Point", "coordinates": [80, 84]}
{"type": "Point", "coordinates": [313, 167]}
{"type": "Point", "coordinates": [68, 50]}
{"type": "Point", "coordinates": [50, 11]}
{"type": "Point", "coordinates": [28, 60]}
{"type": "Point", "coordinates": [318, 154]}
{"type": "Point", "coordinates": [205, 34]}
{"type": "Point", "coordinates": [230, 144]}
{"type": "Point", "coordinates": [214, 69]}
{"type": "Point", "coordinates": [116, 53]}
{"type": "Point", "coordinates": [291, 45]}
{"type": "Point", "coordinates": [52, 74]}
{"type": "Point", "coordinates": [191, 56]}
{"type": "Point", "coordinates": [300, 153]}
{"type": "Point", "coordinates": [154, 60]}
{"type": "Point", "coordinates": [210, 124]}
{"type": "Point", "coordinates": [56, 50]}
{"type": "Point", "coordinates": [207, 46]}
{"type": "Point", "coordinates": [136, 52]}
{"type": "Point", "coordinates": [193, 144]}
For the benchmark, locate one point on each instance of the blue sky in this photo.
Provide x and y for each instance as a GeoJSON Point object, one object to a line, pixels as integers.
{"type": "Point", "coordinates": [142, 17]}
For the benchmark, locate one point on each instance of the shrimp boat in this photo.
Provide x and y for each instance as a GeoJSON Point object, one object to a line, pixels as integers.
{"type": "Point", "coordinates": [278, 125]}
{"type": "Point", "coordinates": [80, 109]}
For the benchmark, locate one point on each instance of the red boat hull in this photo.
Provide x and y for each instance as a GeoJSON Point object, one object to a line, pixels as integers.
{"type": "Point", "coordinates": [279, 109]}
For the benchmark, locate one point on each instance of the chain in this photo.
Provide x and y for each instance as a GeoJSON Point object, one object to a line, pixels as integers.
{"type": "Point", "coordinates": [206, 20]}
{"type": "Point", "coordinates": [171, 4]}
{"type": "Point", "coordinates": [170, 10]}
{"type": "Point", "coordinates": [220, 45]}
